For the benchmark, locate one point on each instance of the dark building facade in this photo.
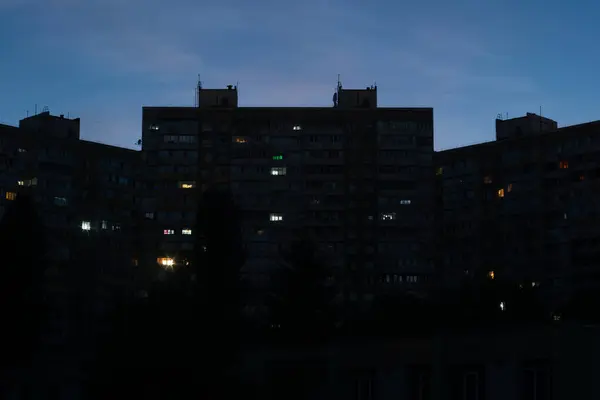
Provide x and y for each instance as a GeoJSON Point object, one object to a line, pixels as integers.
{"type": "Point", "coordinates": [84, 194]}
{"type": "Point", "coordinates": [355, 178]}
{"type": "Point", "coordinates": [522, 207]}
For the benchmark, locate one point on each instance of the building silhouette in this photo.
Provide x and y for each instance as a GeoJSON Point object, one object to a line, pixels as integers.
{"type": "Point", "coordinates": [522, 207]}
{"type": "Point", "coordinates": [355, 178]}
{"type": "Point", "coordinates": [84, 194]}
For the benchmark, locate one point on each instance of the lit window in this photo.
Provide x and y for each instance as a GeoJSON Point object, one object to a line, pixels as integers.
{"type": "Point", "coordinates": [168, 232]}
{"type": "Point", "coordinates": [28, 182]}
{"type": "Point", "coordinates": [60, 201]}
{"type": "Point", "coordinates": [278, 171]}
{"type": "Point", "coordinates": [186, 231]}
{"type": "Point", "coordinates": [187, 185]}
{"type": "Point", "coordinates": [439, 171]}
{"type": "Point", "coordinates": [556, 317]}
{"type": "Point", "coordinates": [239, 139]}
{"type": "Point", "coordinates": [535, 284]}
{"type": "Point", "coordinates": [11, 195]}
{"type": "Point", "coordinates": [388, 216]}
{"type": "Point", "coordinates": [487, 180]}
{"type": "Point", "coordinates": [104, 224]}
{"type": "Point", "coordinates": [509, 189]}
{"type": "Point", "coordinates": [260, 231]}
{"type": "Point", "coordinates": [404, 202]}
{"type": "Point", "coordinates": [297, 128]}
{"type": "Point", "coordinates": [154, 127]}
{"type": "Point", "coordinates": [21, 150]}
{"type": "Point", "coordinates": [501, 193]}
{"type": "Point", "coordinates": [166, 262]}
{"type": "Point", "coordinates": [565, 216]}
{"type": "Point", "coordinates": [502, 306]}
{"type": "Point", "coordinates": [275, 217]}
{"type": "Point", "coordinates": [563, 164]}
{"type": "Point", "coordinates": [277, 158]}
{"type": "Point", "coordinates": [86, 225]}
{"type": "Point", "coordinates": [116, 227]}
{"type": "Point", "coordinates": [491, 275]}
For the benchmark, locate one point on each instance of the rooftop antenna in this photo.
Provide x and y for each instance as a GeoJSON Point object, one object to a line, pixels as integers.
{"type": "Point", "coordinates": [339, 83]}
{"type": "Point", "coordinates": [197, 92]}
{"type": "Point", "coordinates": [35, 113]}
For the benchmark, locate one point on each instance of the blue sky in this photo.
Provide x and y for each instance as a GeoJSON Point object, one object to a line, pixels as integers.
{"type": "Point", "coordinates": [102, 60]}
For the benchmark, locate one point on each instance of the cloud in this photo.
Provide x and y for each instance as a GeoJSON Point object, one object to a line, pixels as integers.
{"type": "Point", "coordinates": [282, 53]}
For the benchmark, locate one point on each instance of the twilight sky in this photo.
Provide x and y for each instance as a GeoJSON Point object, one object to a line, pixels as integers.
{"type": "Point", "coordinates": [102, 60]}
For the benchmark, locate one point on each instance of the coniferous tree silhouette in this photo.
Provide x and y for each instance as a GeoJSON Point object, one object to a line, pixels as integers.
{"type": "Point", "coordinates": [301, 302]}
{"type": "Point", "coordinates": [219, 259]}
{"type": "Point", "coordinates": [22, 245]}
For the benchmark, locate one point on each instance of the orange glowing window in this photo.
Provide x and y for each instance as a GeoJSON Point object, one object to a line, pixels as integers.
{"type": "Point", "coordinates": [165, 262]}
{"type": "Point", "coordinates": [491, 275]}
{"type": "Point", "coordinates": [563, 164]}
{"type": "Point", "coordinates": [501, 193]}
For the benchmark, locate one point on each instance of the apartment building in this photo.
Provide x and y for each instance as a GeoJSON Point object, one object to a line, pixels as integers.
{"type": "Point", "coordinates": [84, 193]}
{"type": "Point", "coordinates": [523, 206]}
{"type": "Point", "coordinates": [355, 178]}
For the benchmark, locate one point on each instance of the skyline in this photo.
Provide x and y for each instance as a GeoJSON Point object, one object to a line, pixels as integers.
{"type": "Point", "coordinates": [104, 60]}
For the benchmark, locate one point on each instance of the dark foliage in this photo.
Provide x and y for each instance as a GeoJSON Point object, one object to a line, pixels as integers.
{"type": "Point", "coordinates": [182, 338]}
{"type": "Point", "coordinates": [300, 305]}
{"type": "Point", "coordinates": [150, 350]}
{"type": "Point", "coordinates": [22, 246]}
{"type": "Point", "coordinates": [583, 306]}
{"type": "Point", "coordinates": [400, 314]}
{"type": "Point", "coordinates": [218, 263]}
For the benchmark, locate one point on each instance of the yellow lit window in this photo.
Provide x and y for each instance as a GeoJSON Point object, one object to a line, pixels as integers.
{"type": "Point", "coordinates": [166, 262]}
{"type": "Point", "coordinates": [491, 275]}
{"type": "Point", "coordinates": [21, 183]}
{"type": "Point", "coordinates": [11, 195]}
{"type": "Point", "coordinates": [240, 140]}
{"type": "Point", "coordinates": [187, 185]}
{"type": "Point", "coordinates": [563, 165]}
{"type": "Point", "coordinates": [487, 180]}
{"type": "Point", "coordinates": [501, 193]}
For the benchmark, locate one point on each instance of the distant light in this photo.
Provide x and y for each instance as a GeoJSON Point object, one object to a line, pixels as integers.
{"type": "Point", "coordinates": [491, 275]}
{"type": "Point", "coordinates": [279, 157]}
{"type": "Point", "coordinates": [297, 128]}
{"type": "Point", "coordinates": [86, 225]}
{"type": "Point", "coordinates": [502, 306]}
{"type": "Point", "coordinates": [166, 262]}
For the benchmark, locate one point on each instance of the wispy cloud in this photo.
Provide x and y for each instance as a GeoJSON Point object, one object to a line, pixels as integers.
{"type": "Point", "coordinates": [282, 53]}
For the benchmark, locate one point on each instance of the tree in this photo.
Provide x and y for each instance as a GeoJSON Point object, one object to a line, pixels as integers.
{"type": "Point", "coordinates": [300, 304]}
{"type": "Point", "coordinates": [22, 245]}
{"type": "Point", "coordinates": [218, 262]}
